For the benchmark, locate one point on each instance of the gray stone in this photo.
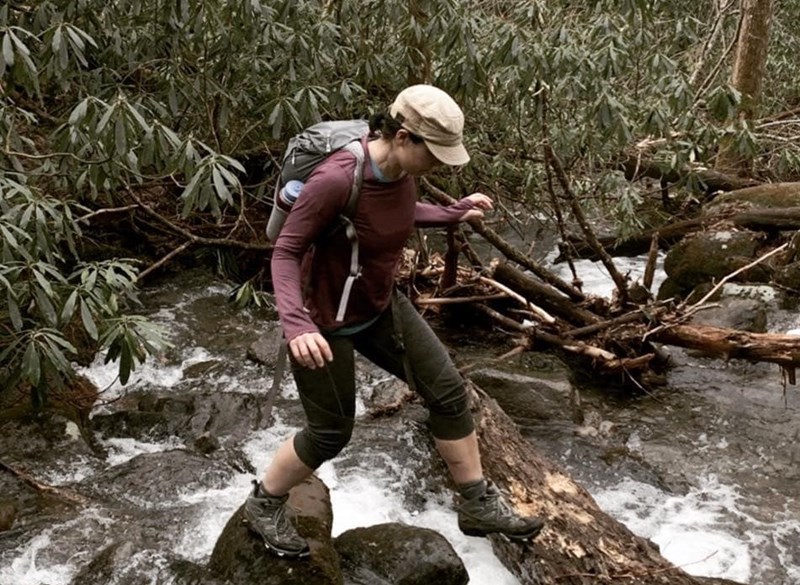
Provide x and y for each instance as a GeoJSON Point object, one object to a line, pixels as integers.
{"type": "Point", "coordinates": [240, 557]}
{"type": "Point", "coordinates": [706, 256]}
{"type": "Point", "coordinates": [789, 276]}
{"type": "Point", "coordinates": [152, 479]}
{"type": "Point", "coordinates": [733, 313]}
{"type": "Point", "coordinates": [394, 553]}
{"type": "Point", "coordinates": [525, 398]}
{"type": "Point", "coordinates": [265, 349]}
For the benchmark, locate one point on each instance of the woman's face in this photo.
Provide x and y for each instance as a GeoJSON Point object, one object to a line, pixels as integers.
{"type": "Point", "coordinates": [414, 157]}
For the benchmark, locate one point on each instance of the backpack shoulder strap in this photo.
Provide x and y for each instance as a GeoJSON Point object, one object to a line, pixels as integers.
{"type": "Point", "coordinates": [357, 150]}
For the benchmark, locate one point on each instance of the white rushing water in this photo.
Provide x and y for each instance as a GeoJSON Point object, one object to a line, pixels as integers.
{"type": "Point", "coordinates": [709, 531]}
{"type": "Point", "coordinates": [360, 496]}
{"type": "Point", "coordinates": [697, 531]}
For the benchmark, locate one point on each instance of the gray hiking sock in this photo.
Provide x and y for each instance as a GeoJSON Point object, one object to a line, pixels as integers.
{"type": "Point", "coordinates": [262, 492]}
{"type": "Point", "coordinates": [473, 490]}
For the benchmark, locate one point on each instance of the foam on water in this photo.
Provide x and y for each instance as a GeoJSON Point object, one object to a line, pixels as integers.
{"type": "Point", "coordinates": [596, 279]}
{"type": "Point", "coordinates": [26, 570]}
{"type": "Point", "coordinates": [121, 450]}
{"type": "Point", "coordinates": [693, 531]}
{"type": "Point", "coordinates": [48, 558]}
{"type": "Point", "coordinates": [360, 497]}
{"type": "Point", "coordinates": [368, 498]}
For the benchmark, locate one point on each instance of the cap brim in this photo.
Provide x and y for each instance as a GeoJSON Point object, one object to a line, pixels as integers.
{"type": "Point", "coordinates": [450, 155]}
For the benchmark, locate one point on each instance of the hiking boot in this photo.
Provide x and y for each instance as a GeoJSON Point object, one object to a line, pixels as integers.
{"type": "Point", "coordinates": [266, 516]}
{"type": "Point", "coordinates": [490, 513]}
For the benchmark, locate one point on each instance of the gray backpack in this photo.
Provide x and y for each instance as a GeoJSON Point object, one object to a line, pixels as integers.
{"type": "Point", "coordinates": [305, 152]}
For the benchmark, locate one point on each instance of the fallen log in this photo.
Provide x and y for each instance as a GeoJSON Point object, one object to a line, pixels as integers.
{"type": "Point", "coordinates": [580, 545]}
{"type": "Point", "coordinates": [769, 219]}
{"type": "Point", "coordinates": [635, 168]}
{"type": "Point", "coordinates": [636, 244]}
{"type": "Point", "coordinates": [541, 294]}
{"type": "Point", "coordinates": [766, 219]}
{"type": "Point", "coordinates": [776, 348]}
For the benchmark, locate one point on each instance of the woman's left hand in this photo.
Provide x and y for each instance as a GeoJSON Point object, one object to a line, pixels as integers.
{"type": "Point", "coordinates": [481, 202]}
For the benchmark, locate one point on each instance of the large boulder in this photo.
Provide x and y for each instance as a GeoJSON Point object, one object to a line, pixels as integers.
{"type": "Point", "coordinates": [228, 417]}
{"type": "Point", "coordinates": [775, 195]}
{"type": "Point", "coordinates": [734, 313]}
{"type": "Point", "coordinates": [240, 557]}
{"type": "Point", "coordinates": [397, 554]}
{"type": "Point", "coordinates": [526, 399]}
{"type": "Point", "coordinates": [706, 256]}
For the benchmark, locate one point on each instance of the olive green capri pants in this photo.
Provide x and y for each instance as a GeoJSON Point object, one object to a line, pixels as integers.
{"type": "Point", "coordinates": [328, 394]}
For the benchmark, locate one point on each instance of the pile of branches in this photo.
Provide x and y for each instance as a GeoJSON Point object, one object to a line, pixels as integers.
{"type": "Point", "coordinates": [619, 338]}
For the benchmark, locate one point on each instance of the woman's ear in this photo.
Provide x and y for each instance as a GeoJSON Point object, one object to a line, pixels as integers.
{"type": "Point", "coordinates": [402, 136]}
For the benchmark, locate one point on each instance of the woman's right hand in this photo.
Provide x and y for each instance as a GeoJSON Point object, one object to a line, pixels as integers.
{"type": "Point", "coordinates": [311, 350]}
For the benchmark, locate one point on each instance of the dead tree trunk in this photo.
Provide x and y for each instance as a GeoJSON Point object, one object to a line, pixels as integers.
{"type": "Point", "coordinates": [580, 545]}
{"type": "Point", "coordinates": [541, 294]}
{"type": "Point", "coordinates": [636, 168]}
{"type": "Point", "coordinates": [776, 348]}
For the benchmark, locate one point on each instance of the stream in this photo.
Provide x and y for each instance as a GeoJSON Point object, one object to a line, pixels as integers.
{"type": "Point", "coordinates": [706, 467]}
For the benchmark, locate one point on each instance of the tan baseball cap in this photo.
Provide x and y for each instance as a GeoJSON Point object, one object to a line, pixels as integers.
{"type": "Point", "coordinates": [434, 116]}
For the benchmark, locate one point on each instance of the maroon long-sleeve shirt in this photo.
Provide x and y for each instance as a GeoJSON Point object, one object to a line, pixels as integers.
{"type": "Point", "coordinates": [308, 281]}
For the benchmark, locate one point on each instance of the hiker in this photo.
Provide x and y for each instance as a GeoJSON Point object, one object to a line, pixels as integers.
{"type": "Point", "coordinates": [310, 266]}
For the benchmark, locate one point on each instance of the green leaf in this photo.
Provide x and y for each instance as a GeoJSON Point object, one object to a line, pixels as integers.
{"type": "Point", "coordinates": [120, 136]}
{"type": "Point", "coordinates": [88, 320]}
{"type": "Point", "coordinates": [220, 187]}
{"type": "Point", "coordinates": [69, 307]}
{"type": "Point", "coordinates": [43, 283]}
{"type": "Point", "coordinates": [125, 362]}
{"type": "Point", "coordinates": [79, 112]}
{"type": "Point", "coordinates": [8, 49]}
{"type": "Point", "coordinates": [31, 366]}
{"type": "Point", "coordinates": [13, 311]}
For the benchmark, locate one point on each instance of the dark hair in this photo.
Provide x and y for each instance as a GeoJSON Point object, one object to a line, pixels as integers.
{"type": "Point", "coordinates": [383, 124]}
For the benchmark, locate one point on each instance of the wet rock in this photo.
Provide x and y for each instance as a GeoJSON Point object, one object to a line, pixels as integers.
{"type": "Point", "coordinates": [769, 195]}
{"type": "Point", "coordinates": [228, 416]}
{"type": "Point", "coordinates": [206, 444]}
{"type": "Point", "coordinates": [153, 479]}
{"type": "Point", "coordinates": [386, 554]}
{"type": "Point", "coordinates": [126, 562]}
{"type": "Point", "coordinates": [188, 573]}
{"type": "Point", "coordinates": [240, 557]}
{"type": "Point", "coordinates": [708, 255]}
{"type": "Point", "coordinates": [789, 276]}
{"type": "Point", "coordinates": [388, 397]}
{"type": "Point", "coordinates": [525, 398]}
{"type": "Point", "coordinates": [8, 513]}
{"type": "Point", "coordinates": [265, 349]}
{"type": "Point", "coordinates": [107, 565]}
{"type": "Point", "coordinates": [36, 446]}
{"type": "Point", "coordinates": [733, 313]}
{"type": "Point", "coordinates": [201, 369]}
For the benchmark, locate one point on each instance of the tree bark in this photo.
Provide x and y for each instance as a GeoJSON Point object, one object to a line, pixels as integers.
{"type": "Point", "coordinates": [580, 545]}
{"type": "Point", "coordinates": [748, 74]}
{"type": "Point", "coordinates": [769, 219]}
{"type": "Point", "coordinates": [541, 294]}
{"type": "Point", "coordinates": [731, 343]}
{"type": "Point", "coordinates": [636, 244]}
{"type": "Point", "coordinates": [636, 168]}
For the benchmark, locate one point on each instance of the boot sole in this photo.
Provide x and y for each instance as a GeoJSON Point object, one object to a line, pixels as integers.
{"type": "Point", "coordinates": [534, 532]}
{"type": "Point", "coordinates": [277, 551]}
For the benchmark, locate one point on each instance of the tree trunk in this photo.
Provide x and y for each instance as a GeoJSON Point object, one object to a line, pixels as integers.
{"type": "Point", "coordinates": [541, 294]}
{"type": "Point", "coordinates": [747, 77]}
{"type": "Point", "coordinates": [731, 343]}
{"type": "Point", "coordinates": [580, 545]}
{"type": "Point", "coordinates": [636, 168]}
